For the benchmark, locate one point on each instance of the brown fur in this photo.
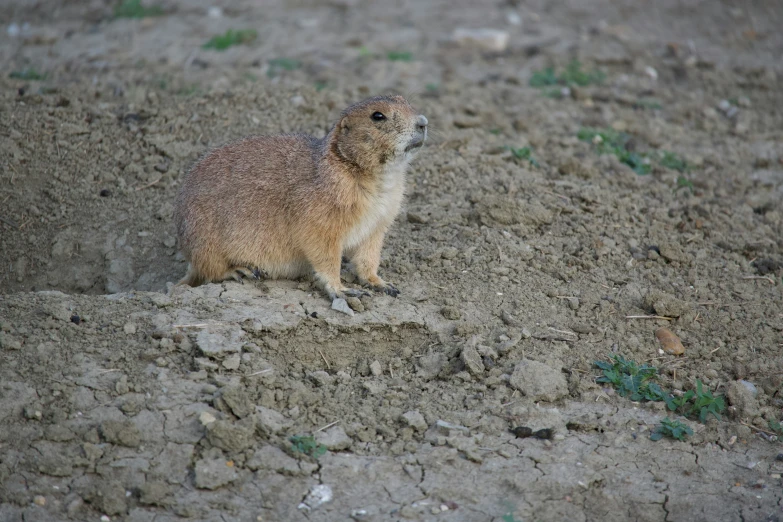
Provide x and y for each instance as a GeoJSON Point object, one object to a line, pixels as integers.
{"type": "Point", "coordinates": [291, 204]}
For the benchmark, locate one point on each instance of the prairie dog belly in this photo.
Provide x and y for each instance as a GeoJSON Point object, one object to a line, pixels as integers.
{"type": "Point", "coordinates": [382, 209]}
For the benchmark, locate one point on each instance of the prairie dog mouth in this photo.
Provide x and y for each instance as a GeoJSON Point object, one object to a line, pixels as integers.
{"type": "Point", "coordinates": [416, 143]}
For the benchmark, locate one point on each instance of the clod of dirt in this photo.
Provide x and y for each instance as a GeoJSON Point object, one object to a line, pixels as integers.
{"type": "Point", "coordinates": [230, 436]}
{"type": "Point", "coordinates": [376, 369]}
{"type": "Point", "coordinates": [155, 493]}
{"type": "Point", "coordinates": [538, 381]}
{"type": "Point", "coordinates": [270, 421]}
{"type": "Point", "coordinates": [451, 313]}
{"type": "Point", "coordinates": [218, 342]}
{"type": "Point", "coordinates": [431, 365]}
{"type": "Point", "coordinates": [665, 304]}
{"type": "Point", "coordinates": [741, 398]}
{"type": "Point", "coordinates": [124, 433]}
{"type": "Point", "coordinates": [672, 252]}
{"type": "Point", "coordinates": [238, 399]}
{"type": "Point", "coordinates": [414, 419]}
{"type": "Point", "coordinates": [108, 497]}
{"type": "Point", "coordinates": [212, 474]}
{"type": "Point", "coordinates": [335, 439]}
{"type": "Point", "coordinates": [355, 303]}
{"type": "Point", "coordinates": [472, 360]}
{"type": "Point", "coordinates": [670, 343]}
{"type": "Point", "coordinates": [767, 266]}
{"type": "Point", "coordinates": [274, 459]}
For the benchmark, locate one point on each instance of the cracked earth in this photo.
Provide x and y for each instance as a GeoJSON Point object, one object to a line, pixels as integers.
{"type": "Point", "coordinates": [123, 398]}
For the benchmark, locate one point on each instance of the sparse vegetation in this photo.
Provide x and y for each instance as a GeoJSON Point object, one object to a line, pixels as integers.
{"type": "Point", "coordinates": [776, 427]}
{"type": "Point", "coordinates": [399, 56]}
{"type": "Point", "coordinates": [673, 429]}
{"type": "Point", "coordinates": [27, 74]}
{"type": "Point", "coordinates": [637, 383]}
{"type": "Point", "coordinates": [231, 38]}
{"type": "Point", "coordinates": [672, 161]}
{"type": "Point", "coordinates": [572, 75]}
{"type": "Point", "coordinates": [682, 181]}
{"type": "Point", "coordinates": [610, 141]}
{"type": "Point", "coordinates": [307, 445]}
{"type": "Point", "coordinates": [524, 153]}
{"type": "Point", "coordinates": [282, 64]}
{"type": "Point", "coordinates": [135, 9]}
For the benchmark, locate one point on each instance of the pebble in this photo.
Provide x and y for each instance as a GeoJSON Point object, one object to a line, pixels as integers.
{"type": "Point", "coordinates": [487, 39]}
{"type": "Point", "coordinates": [355, 303]}
{"type": "Point", "coordinates": [376, 368]}
{"type": "Point", "coordinates": [215, 12]}
{"type": "Point", "coordinates": [232, 362]}
{"type": "Point", "coordinates": [129, 328]}
{"type": "Point", "coordinates": [39, 500]}
{"type": "Point", "coordinates": [335, 439]}
{"type": "Point", "coordinates": [751, 387]}
{"type": "Point", "coordinates": [206, 418]}
{"type": "Point", "coordinates": [451, 313]}
{"type": "Point", "coordinates": [671, 343]}
{"type": "Point", "coordinates": [318, 495]}
{"type": "Point", "coordinates": [472, 361]}
{"type": "Point", "coordinates": [341, 305]}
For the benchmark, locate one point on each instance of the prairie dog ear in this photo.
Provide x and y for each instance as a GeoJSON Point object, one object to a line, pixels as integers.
{"type": "Point", "coordinates": [344, 126]}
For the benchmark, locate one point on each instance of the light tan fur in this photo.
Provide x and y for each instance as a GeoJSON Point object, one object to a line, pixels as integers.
{"type": "Point", "coordinates": [292, 204]}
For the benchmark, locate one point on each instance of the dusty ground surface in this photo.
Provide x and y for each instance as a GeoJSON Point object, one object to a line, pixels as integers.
{"type": "Point", "coordinates": [121, 400]}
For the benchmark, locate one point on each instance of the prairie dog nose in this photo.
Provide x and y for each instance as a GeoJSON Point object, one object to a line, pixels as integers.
{"type": "Point", "coordinates": [421, 122]}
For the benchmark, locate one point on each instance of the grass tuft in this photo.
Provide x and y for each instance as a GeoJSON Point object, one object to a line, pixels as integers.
{"type": "Point", "coordinates": [27, 74]}
{"type": "Point", "coordinates": [399, 56]}
{"type": "Point", "coordinates": [673, 429]}
{"type": "Point", "coordinates": [135, 9]}
{"type": "Point", "coordinates": [572, 75]}
{"type": "Point", "coordinates": [231, 38]}
{"type": "Point", "coordinates": [307, 445]}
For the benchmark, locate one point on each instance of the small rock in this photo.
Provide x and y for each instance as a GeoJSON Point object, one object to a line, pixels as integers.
{"type": "Point", "coordinates": [129, 328]}
{"type": "Point", "coordinates": [741, 397]}
{"type": "Point", "coordinates": [376, 369]}
{"type": "Point", "coordinates": [538, 381]}
{"type": "Point", "coordinates": [751, 388]}
{"type": "Point", "coordinates": [449, 253]}
{"type": "Point", "coordinates": [215, 12]}
{"type": "Point", "coordinates": [232, 362]}
{"type": "Point", "coordinates": [109, 497]}
{"type": "Point", "coordinates": [238, 399]}
{"type": "Point", "coordinates": [270, 421]}
{"type": "Point", "coordinates": [218, 342]}
{"type": "Point", "coordinates": [451, 313]}
{"type": "Point", "coordinates": [39, 500]}
{"type": "Point", "coordinates": [417, 218]}
{"type": "Point", "coordinates": [665, 304]}
{"type": "Point", "coordinates": [472, 361]}
{"type": "Point", "coordinates": [672, 252]}
{"type": "Point", "coordinates": [335, 439]}
{"type": "Point", "coordinates": [488, 39]}
{"type": "Point", "coordinates": [670, 343]}
{"type": "Point", "coordinates": [414, 419]}
{"type": "Point", "coordinates": [341, 305]}
{"type": "Point", "coordinates": [355, 303]}
{"type": "Point", "coordinates": [318, 495]}
{"type": "Point", "coordinates": [9, 343]}
{"type": "Point", "coordinates": [431, 365]}
{"type": "Point", "coordinates": [212, 474]}
{"type": "Point", "coordinates": [206, 418]}
{"type": "Point", "coordinates": [509, 320]}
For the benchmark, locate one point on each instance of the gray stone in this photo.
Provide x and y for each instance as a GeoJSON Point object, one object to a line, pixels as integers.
{"type": "Point", "coordinates": [270, 421]}
{"type": "Point", "coordinates": [414, 419]}
{"type": "Point", "coordinates": [238, 399]}
{"type": "Point", "coordinates": [214, 473]}
{"type": "Point", "coordinates": [741, 398]}
{"type": "Point", "coordinates": [538, 381]}
{"type": "Point", "coordinates": [341, 305]}
{"type": "Point", "coordinates": [431, 365]}
{"type": "Point", "coordinates": [335, 439]}
{"type": "Point", "coordinates": [219, 342]}
{"type": "Point", "coordinates": [376, 368]}
{"type": "Point", "coordinates": [273, 459]}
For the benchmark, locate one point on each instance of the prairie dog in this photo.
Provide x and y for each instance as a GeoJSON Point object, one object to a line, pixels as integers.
{"type": "Point", "coordinates": [284, 206]}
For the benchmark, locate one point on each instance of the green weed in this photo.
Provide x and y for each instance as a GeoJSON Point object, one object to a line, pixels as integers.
{"type": "Point", "coordinates": [776, 427]}
{"type": "Point", "coordinates": [27, 74]}
{"type": "Point", "coordinates": [320, 85]}
{"type": "Point", "coordinates": [705, 404]}
{"type": "Point", "coordinates": [572, 75]}
{"type": "Point", "coordinates": [671, 428]}
{"type": "Point", "coordinates": [610, 141]}
{"type": "Point", "coordinates": [682, 181]}
{"type": "Point", "coordinates": [432, 87]}
{"type": "Point", "coordinates": [230, 38]}
{"type": "Point", "coordinates": [282, 64]}
{"type": "Point", "coordinates": [672, 161]}
{"type": "Point", "coordinates": [399, 56]}
{"type": "Point", "coordinates": [307, 445]}
{"type": "Point", "coordinates": [524, 153]}
{"type": "Point", "coordinates": [135, 9]}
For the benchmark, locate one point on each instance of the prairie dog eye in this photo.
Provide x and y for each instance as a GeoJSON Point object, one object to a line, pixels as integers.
{"type": "Point", "coordinates": [378, 116]}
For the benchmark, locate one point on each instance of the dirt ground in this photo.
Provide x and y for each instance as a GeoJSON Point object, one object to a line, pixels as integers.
{"type": "Point", "coordinates": [122, 399]}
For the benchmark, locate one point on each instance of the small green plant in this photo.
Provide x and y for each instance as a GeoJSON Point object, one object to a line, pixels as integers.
{"type": "Point", "coordinates": [432, 87]}
{"type": "Point", "coordinates": [320, 85]}
{"type": "Point", "coordinates": [671, 428]}
{"type": "Point", "coordinates": [672, 161]}
{"type": "Point", "coordinates": [524, 153]}
{"type": "Point", "coordinates": [682, 181]}
{"type": "Point", "coordinates": [282, 64]}
{"type": "Point", "coordinates": [27, 74]}
{"type": "Point", "coordinates": [648, 103]}
{"type": "Point", "coordinates": [775, 426]}
{"type": "Point", "coordinates": [307, 445]}
{"type": "Point", "coordinates": [135, 9]}
{"type": "Point", "coordinates": [610, 141]}
{"type": "Point", "coordinates": [705, 404]}
{"type": "Point", "coordinates": [572, 75]}
{"type": "Point", "coordinates": [399, 56]}
{"type": "Point", "coordinates": [631, 379]}
{"type": "Point", "coordinates": [230, 38]}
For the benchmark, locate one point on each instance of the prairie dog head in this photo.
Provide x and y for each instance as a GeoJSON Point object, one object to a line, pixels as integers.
{"type": "Point", "coordinates": [380, 131]}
